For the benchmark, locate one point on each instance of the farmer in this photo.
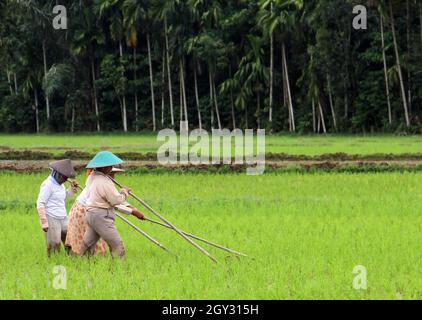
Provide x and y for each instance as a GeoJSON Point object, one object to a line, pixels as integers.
{"type": "Point", "coordinates": [102, 197]}
{"type": "Point", "coordinates": [77, 224]}
{"type": "Point", "coordinates": [51, 203]}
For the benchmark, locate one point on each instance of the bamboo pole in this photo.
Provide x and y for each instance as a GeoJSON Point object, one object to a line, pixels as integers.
{"type": "Point", "coordinates": [146, 205]}
{"type": "Point", "coordinates": [198, 238]}
{"type": "Point", "coordinates": [143, 233]}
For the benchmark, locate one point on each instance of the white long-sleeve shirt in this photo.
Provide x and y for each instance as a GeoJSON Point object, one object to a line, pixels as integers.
{"type": "Point", "coordinates": [52, 198]}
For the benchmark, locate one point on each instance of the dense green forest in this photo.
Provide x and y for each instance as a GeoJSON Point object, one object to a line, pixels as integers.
{"type": "Point", "coordinates": [142, 65]}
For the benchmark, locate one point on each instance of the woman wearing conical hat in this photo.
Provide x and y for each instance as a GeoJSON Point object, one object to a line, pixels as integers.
{"type": "Point", "coordinates": [77, 223]}
{"type": "Point", "coordinates": [102, 198]}
{"type": "Point", "coordinates": [51, 203]}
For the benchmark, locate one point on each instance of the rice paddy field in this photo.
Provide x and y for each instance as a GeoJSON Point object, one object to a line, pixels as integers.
{"type": "Point", "coordinates": [309, 234]}
{"type": "Point", "coordinates": [304, 233]}
{"type": "Point", "coordinates": [290, 144]}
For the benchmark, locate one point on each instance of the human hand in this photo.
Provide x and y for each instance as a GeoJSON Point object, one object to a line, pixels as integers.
{"type": "Point", "coordinates": [125, 190]}
{"type": "Point", "coordinates": [74, 185]}
{"type": "Point", "coordinates": [137, 213]}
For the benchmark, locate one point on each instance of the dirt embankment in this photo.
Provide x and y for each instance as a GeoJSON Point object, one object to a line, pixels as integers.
{"type": "Point", "coordinates": [19, 154]}
{"type": "Point", "coordinates": [34, 161]}
{"type": "Point", "coordinates": [32, 166]}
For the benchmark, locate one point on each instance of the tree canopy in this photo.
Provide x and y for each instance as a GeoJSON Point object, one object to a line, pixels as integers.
{"type": "Point", "coordinates": [142, 65]}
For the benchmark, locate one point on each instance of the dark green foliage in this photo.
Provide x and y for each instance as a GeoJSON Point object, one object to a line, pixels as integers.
{"type": "Point", "coordinates": [228, 41]}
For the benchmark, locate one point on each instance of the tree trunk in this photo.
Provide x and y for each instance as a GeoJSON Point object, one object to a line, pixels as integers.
{"type": "Point", "coordinates": [409, 80]}
{"type": "Point", "coordinates": [420, 20]}
{"type": "Point", "coordinates": [135, 78]}
{"type": "Point", "coordinates": [319, 122]}
{"type": "Point", "coordinates": [216, 104]}
{"type": "Point", "coordinates": [232, 101]}
{"type": "Point", "coordinates": [286, 70]}
{"type": "Point", "coordinates": [9, 81]}
{"type": "Point", "coordinates": [124, 114]}
{"type": "Point", "coordinates": [180, 95]}
{"type": "Point", "coordinates": [258, 110]}
{"type": "Point", "coordinates": [72, 126]}
{"type": "Point", "coordinates": [321, 113]}
{"type": "Point", "coordinates": [330, 96]}
{"type": "Point", "coordinates": [271, 71]}
{"type": "Point", "coordinates": [313, 116]}
{"type": "Point", "coordinates": [387, 86]}
{"type": "Point", "coordinates": [37, 120]}
{"type": "Point", "coordinates": [163, 83]}
{"type": "Point", "coordinates": [16, 82]}
{"type": "Point", "coordinates": [346, 79]}
{"type": "Point", "coordinates": [195, 79]}
{"type": "Point", "coordinates": [346, 100]}
{"type": "Point", "coordinates": [47, 101]}
{"type": "Point", "coordinates": [151, 79]}
{"type": "Point", "coordinates": [169, 73]}
{"type": "Point", "coordinates": [285, 104]}
{"type": "Point", "coordinates": [211, 98]}
{"type": "Point", "coordinates": [246, 117]}
{"type": "Point", "coordinates": [94, 88]}
{"type": "Point", "coordinates": [185, 104]}
{"type": "Point", "coordinates": [396, 49]}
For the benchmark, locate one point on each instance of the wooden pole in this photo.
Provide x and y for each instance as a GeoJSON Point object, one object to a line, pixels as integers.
{"type": "Point", "coordinates": [143, 233]}
{"type": "Point", "coordinates": [198, 238]}
{"type": "Point", "coordinates": [146, 205]}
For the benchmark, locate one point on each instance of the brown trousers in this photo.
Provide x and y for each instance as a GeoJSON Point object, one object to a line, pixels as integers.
{"type": "Point", "coordinates": [100, 224]}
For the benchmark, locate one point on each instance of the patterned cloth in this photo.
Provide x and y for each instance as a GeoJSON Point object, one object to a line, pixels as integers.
{"type": "Point", "coordinates": [76, 230]}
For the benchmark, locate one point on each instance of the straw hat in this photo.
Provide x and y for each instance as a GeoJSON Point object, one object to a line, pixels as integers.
{"type": "Point", "coordinates": [64, 167]}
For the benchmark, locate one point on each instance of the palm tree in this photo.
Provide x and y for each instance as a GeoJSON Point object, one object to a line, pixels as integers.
{"type": "Point", "coordinates": [192, 48]}
{"type": "Point", "coordinates": [281, 18]}
{"type": "Point", "coordinates": [164, 9]}
{"type": "Point", "coordinates": [211, 46]}
{"type": "Point", "coordinates": [83, 44]}
{"type": "Point", "coordinates": [250, 78]}
{"type": "Point", "coordinates": [111, 10]}
{"type": "Point", "coordinates": [384, 60]}
{"type": "Point", "coordinates": [399, 70]}
{"type": "Point", "coordinates": [41, 17]}
{"type": "Point", "coordinates": [138, 15]}
{"type": "Point", "coordinates": [265, 14]}
{"type": "Point", "coordinates": [61, 80]}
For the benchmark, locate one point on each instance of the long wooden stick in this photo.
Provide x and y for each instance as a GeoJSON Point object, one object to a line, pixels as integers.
{"type": "Point", "coordinates": [143, 233]}
{"type": "Point", "coordinates": [146, 205]}
{"type": "Point", "coordinates": [198, 238]}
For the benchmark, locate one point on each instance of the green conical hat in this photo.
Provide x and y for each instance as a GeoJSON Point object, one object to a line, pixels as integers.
{"type": "Point", "coordinates": [104, 159]}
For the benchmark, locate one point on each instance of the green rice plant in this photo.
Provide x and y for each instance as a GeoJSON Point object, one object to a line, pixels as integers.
{"type": "Point", "coordinates": [147, 143]}
{"type": "Point", "coordinates": [305, 233]}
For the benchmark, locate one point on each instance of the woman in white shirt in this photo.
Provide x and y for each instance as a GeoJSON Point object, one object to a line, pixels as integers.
{"type": "Point", "coordinates": [51, 203]}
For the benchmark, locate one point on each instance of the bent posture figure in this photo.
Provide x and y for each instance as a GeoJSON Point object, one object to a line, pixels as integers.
{"type": "Point", "coordinates": [102, 198]}
{"type": "Point", "coordinates": [77, 220]}
{"type": "Point", "coordinates": [51, 204]}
